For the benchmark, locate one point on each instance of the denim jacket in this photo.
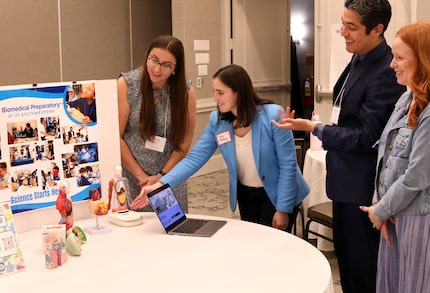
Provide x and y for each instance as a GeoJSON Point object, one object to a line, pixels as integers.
{"type": "Point", "coordinates": [402, 184]}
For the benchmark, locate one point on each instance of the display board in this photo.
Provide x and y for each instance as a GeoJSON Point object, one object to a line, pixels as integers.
{"type": "Point", "coordinates": [57, 131]}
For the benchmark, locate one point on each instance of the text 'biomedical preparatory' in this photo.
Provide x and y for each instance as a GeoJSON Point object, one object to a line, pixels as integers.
{"type": "Point", "coordinates": [32, 109]}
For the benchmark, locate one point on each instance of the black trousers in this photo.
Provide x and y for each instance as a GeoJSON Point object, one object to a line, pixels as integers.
{"type": "Point", "coordinates": [356, 245]}
{"type": "Point", "coordinates": [255, 206]}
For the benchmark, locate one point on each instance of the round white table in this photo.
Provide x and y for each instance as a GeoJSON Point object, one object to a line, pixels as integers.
{"type": "Point", "coordinates": [240, 257]}
{"type": "Point", "coordinates": [314, 172]}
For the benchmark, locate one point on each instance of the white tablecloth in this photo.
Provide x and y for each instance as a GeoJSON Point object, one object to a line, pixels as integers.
{"type": "Point", "coordinates": [314, 172]}
{"type": "Point", "coordinates": [241, 257]}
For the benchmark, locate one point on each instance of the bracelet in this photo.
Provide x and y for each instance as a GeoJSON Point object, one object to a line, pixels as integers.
{"type": "Point", "coordinates": [161, 173]}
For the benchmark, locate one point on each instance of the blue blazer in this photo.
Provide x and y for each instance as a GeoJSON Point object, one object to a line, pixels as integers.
{"type": "Point", "coordinates": [369, 98]}
{"type": "Point", "coordinates": [274, 156]}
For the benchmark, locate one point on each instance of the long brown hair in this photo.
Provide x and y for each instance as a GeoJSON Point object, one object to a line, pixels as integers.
{"type": "Point", "coordinates": [236, 78]}
{"type": "Point", "coordinates": [417, 37]}
{"type": "Point", "coordinates": [178, 94]}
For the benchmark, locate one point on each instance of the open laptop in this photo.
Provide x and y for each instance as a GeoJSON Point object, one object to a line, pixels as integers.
{"type": "Point", "coordinates": [172, 216]}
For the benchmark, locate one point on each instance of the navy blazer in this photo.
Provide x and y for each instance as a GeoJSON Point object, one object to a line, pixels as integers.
{"type": "Point", "coordinates": [369, 98]}
{"type": "Point", "coordinates": [274, 155]}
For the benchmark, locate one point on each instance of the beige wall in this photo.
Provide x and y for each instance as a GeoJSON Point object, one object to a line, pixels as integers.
{"type": "Point", "coordinates": [200, 20]}
{"type": "Point", "coordinates": [95, 38]}
{"type": "Point", "coordinates": [68, 40]}
{"type": "Point", "coordinates": [423, 10]}
{"type": "Point", "coordinates": [148, 21]}
{"type": "Point", "coordinates": [210, 20]}
{"type": "Point", "coordinates": [29, 41]}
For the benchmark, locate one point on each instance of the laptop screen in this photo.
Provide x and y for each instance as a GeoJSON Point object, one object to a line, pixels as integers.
{"type": "Point", "coordinates": [166, 206]}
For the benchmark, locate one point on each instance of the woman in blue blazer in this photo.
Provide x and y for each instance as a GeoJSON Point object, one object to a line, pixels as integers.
{"type": "Point", "coordinates": [261, 159]}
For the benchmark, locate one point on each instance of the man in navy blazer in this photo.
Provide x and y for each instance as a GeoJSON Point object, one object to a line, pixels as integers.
{"type": "Point", "coordinates": [363, 99]}
{"type": "Point", "coordinates": [368, 98]}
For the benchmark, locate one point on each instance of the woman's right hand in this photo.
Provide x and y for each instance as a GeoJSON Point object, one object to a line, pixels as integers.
{"type": "Point", "coordinates": [142, 200]}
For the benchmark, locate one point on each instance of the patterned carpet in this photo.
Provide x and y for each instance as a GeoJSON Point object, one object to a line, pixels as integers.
{"type": "Point", "coordinates": [208, 195]}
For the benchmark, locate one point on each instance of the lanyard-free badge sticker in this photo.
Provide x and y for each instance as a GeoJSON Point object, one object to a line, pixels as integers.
{"type": "Point", "coordinates": [223, 137]}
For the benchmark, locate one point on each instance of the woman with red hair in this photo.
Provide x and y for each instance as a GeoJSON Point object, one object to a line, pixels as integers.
{"type": "Point", "coordinates": [402, 186]}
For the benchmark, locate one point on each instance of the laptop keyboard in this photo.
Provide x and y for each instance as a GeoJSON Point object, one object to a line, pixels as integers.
{"type": "Point", "coordinates": [191, 226]}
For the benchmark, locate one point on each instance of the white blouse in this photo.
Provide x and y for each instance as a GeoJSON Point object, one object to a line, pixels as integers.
{"type": "Point", "coordinates": [247, 170]}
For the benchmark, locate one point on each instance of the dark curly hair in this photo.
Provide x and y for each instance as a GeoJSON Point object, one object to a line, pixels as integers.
{"type": "Point", "coordinates": [371, 12]}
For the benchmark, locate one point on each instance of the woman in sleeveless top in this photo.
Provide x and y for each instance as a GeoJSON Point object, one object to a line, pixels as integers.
{"type": "Point", "coordinates": [151, 99]}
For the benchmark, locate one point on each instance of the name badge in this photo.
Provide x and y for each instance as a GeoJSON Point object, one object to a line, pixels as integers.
{"type": "Point", "coordinates": [156, 145]}
{"type": "Point", "coordinates": [223, 137]}
{"type": "Point", "coordinates": [335, 112]}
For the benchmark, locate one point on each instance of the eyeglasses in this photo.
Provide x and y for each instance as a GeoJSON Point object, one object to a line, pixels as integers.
{"type": "Point", "coordinates": [164, 66]}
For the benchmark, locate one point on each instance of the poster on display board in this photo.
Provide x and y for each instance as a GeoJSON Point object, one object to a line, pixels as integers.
{"type": "Point", "coordinates": [57, 131]}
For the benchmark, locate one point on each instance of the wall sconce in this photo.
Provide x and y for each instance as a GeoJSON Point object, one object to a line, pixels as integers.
{"type": "Point", "coordinates": [298, 29]}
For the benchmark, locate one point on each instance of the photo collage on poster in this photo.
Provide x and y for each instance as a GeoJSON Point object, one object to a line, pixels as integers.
{"type": "Point", "coordinates": [46, 135]}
